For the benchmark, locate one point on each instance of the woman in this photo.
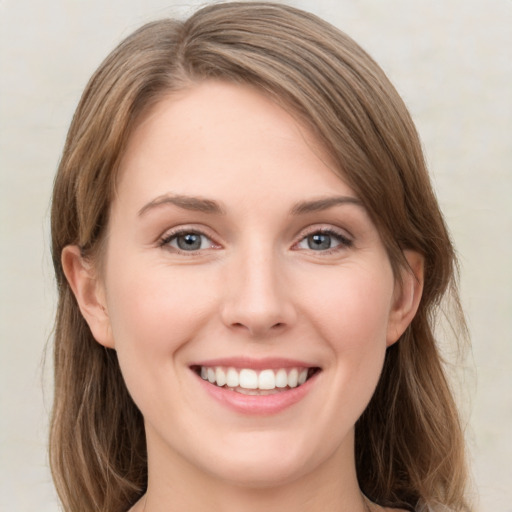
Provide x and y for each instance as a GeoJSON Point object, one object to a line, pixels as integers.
{"type": "Point", "coordinates": [249, 258]}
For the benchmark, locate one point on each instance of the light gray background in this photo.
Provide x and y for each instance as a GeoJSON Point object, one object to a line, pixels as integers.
{"type": "Point", "coordinates": [451, 61]}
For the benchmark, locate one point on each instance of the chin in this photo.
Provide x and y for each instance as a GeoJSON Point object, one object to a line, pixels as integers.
{"type": "Point", "coordinates": [263, 462]}
{"type": "Point", "coordinates": [263, 474]}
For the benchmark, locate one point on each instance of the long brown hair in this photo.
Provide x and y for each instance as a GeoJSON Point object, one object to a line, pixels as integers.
{"type": "Point", "coordinates": [409, 441]}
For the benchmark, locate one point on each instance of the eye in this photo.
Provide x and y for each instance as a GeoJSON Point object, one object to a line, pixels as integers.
{"type": "Point", "coordinates": [187, 241]}
{"type": "Point", "coordinates": [324, 240]}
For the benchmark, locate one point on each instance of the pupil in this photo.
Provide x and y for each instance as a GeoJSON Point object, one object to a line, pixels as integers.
{"type": "Point", "coordinates": [189, 242]}
{"type": "Point", "coordinates": [319, 241]}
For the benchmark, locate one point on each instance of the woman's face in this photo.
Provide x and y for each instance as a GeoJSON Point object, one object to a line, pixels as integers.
{"type": "Point", "coordinates": [237, 266]}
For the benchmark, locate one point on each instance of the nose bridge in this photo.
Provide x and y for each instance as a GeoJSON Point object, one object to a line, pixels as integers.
{"type": "Point", "coordinates": [257, 297]}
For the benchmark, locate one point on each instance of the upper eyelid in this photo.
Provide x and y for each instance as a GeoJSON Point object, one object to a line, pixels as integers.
{"type": "Point", "coordinates": [200, 230]}
{"type": "Point", "coordinates": [176, 234]}
{"type": "Point", "coordinates": [325, 228]}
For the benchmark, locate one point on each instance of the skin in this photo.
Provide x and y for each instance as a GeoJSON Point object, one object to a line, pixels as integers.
{"type": "Point", "coordinates": [254, 289]}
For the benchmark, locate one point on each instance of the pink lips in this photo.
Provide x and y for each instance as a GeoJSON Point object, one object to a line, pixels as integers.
{"type": "Point", "coordinates": [264, 404]}
{"type": "Point", "coordinates": [254, 364]}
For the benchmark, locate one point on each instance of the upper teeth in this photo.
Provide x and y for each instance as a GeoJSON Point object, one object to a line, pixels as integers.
{"type": "Point", "coordinates": [251, 379]}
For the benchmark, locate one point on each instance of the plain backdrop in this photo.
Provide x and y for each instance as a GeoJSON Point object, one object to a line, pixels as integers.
{"type": "Point", "coordinates": [450, 59]}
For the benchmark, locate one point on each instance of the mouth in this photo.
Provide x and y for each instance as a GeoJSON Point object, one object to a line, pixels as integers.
{"type": "Point", "coordinates": [262, 382]}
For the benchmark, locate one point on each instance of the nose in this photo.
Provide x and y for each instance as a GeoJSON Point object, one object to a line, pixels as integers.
{"type": "Point", "coordinates": [257, 299]}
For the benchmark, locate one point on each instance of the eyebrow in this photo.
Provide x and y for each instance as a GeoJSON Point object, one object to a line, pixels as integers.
{"type": "Point", "coordinates": [197, 204]}
{"type": "Point", "coordinates": [325, 203]}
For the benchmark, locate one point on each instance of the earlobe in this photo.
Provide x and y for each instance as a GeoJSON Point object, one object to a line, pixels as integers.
{"type": "Point", "coordinates": [89, 293]}
{"type": "Point", "coordinates": [407, 296]}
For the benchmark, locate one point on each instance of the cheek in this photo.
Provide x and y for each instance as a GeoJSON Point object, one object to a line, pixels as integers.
{"type": "Point", "coordinates": [154, 311]}
{"type": "Point", "coordinates": [352, 312]}
{"type": "Point", "coordinates": [353, 320]}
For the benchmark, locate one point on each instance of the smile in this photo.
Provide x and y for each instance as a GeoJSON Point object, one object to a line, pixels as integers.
{"type": "Point", "coordinates": [252, 382]}
{"type": "Point", "coordinates": [256, 387]}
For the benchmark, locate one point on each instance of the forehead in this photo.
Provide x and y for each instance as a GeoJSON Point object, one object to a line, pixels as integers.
{"type": "Point", "coordinates": [221, 138]}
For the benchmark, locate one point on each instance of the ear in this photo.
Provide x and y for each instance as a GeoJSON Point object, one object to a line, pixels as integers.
{"type": "Point", "coordinates": [89, 293]}
{"type": "Point", "coordinates": [407, 296]}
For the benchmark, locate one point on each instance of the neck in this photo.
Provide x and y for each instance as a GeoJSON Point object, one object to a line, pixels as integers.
{"type": "Point", "coordinates": [175, 484]}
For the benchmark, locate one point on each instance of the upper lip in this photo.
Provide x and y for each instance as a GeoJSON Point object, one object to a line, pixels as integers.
{"type": "Point", "coordinates": [254, 363]}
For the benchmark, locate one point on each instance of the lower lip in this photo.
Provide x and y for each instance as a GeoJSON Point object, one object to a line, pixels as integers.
{"type": "Point", "coordinates": [258, 404]}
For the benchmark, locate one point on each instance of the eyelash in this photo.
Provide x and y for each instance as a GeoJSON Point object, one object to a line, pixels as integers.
{"type": "Point", "coordinates": [344, 241]}
{"type": "Point", "coordinates": [169, 237]}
